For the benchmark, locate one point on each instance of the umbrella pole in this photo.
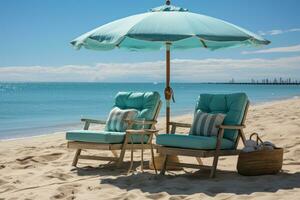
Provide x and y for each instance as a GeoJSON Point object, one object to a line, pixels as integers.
{"type": "Point", "coordinates": [159, 159]}
{"type": "Point", "coordinates": [168, 91]}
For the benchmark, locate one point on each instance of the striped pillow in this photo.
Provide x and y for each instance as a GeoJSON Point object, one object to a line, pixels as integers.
{"type": "Point", "coordinates": [204, 124]}
{"type": "Point", "coordinates": [116, 119]}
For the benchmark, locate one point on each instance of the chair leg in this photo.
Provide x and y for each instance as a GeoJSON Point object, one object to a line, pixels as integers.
{"type": "Point", "coordinates": [75, 159]}
{"type": "Point", "coordinates": [121, 158]}
{"type": "Point", "coordinates": [214, 167]}
{"type": "Point", "coordinates": [122, 153]}
{"type": "Point", "coordinates": [152, 157]}
{"type": "Point", "coordinates": [131, 157]}
{"type": "Point", "coordinates": [199, 160]}
{"type": "Point", "coordinates": [216, 156]}
{"type": "Point", "coordinates": [164, 166]}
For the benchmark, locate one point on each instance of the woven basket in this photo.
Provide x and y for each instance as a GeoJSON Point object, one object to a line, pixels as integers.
{"type": "Point", "coordinates": [260, 162]}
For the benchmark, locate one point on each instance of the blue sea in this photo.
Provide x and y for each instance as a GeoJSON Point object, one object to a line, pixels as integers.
{"type": "Point", "coordinates": [29, 109]}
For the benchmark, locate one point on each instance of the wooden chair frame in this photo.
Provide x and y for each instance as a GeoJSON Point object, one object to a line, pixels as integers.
{"type": "Point", "coordinates": [126, 145]}
{"type": "Point", "coordinates": [169, 151]}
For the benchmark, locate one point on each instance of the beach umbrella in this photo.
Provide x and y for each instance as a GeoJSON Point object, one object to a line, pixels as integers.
{"type": "Point", "coordinates": [171, 28]}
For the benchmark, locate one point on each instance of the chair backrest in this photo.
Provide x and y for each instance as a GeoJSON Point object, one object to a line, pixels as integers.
{"type": "Point", "coordinates": [233, 105]}
{"type": "Point", "coordinates": [147, 103]}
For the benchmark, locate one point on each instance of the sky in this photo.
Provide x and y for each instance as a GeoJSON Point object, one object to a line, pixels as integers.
{"type": "Point", "coordinates": [35, 36]}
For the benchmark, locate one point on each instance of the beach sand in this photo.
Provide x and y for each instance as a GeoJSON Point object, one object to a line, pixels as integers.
{"type": "Point", "coordinates": [40, 168]}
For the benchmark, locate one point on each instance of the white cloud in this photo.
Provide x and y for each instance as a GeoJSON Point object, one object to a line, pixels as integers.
{"type": "Point", "coordinates": [289, 49]}
{"type": "Point", "coordinates": [278, 31]}
{"type": "Point", "coordinates": [181, 71]}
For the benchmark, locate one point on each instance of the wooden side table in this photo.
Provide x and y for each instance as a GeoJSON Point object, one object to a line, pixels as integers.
{"type": "Point", "coordinates": [142, 145]}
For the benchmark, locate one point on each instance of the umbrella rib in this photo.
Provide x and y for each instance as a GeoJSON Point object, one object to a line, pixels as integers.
{"type": "Point", "coordinates": [203, 43]}
{"type": "Point", "coordinates": [119, 43]}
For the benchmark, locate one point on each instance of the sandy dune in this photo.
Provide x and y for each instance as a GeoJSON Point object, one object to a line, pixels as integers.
{"type": "Point", "coordinates": [39, 168]}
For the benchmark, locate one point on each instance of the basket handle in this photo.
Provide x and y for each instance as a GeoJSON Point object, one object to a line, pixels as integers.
{"type": "Point", "coordinates": [258, 139]}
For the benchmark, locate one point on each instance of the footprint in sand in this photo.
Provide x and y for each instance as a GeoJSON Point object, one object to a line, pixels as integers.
{"type": "Point", "coordinates": [24, 163]}
{"type": "Point", "coordinates": [17, 182]}
{"type": "Point", "coordinates": [32, 161]}
{"type": "Point", "coordinates": [66, 191]}
{"type": "Point", "coordinates": [2, 182]}
{"type": "Point", "coordinates": [48, 157]}
{"type": "Point", "coordinates": [5, 188]}
{"type": "Point", "coordinates": [24, 160]}
{"type": "Point", "coordinates": [59, 174]}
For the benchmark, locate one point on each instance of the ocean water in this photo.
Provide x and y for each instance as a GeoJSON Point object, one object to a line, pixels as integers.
{"type": "Point", "coordinates": [28, 109]}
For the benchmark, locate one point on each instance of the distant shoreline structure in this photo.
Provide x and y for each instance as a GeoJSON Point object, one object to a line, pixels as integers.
{"type": "Point", "coordinates": [266, 81]}
{"type": "Point", "coordinates": [249, 83]}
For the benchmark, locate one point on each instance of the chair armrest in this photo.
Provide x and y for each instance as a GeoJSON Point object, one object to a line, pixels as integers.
{"type": "Point", "coordinates": [140, 122]}
{"type": "Point", "coordinates": [178, 124]}
{"type": "Point", "coordinates": [142, 132]}
{"type": "Point", "coordinates": [93, 121]}
{"type": "Point", "coordinates": [231, 127]}
{"type": "Point", "coordinates": [221, 133]}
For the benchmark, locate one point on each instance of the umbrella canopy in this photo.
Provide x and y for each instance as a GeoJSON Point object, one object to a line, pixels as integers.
{"type": "Point", "coordinates": [167, 27]}
{"type": "Point", "coordinates": [151, 30]}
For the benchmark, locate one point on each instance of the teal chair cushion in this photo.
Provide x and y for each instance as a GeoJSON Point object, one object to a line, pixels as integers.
{"type": "Point", "coordinates": [233, 105]}
{"type": "Point", "coordinates": [192, 142]}
{"type": "Point", "coordinates": [146, 103]}
{"type": "Point", "coordinates": [103, 137]}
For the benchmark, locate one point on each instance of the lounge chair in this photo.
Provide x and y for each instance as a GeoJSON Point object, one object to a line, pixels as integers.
{"type": "Point", "coordinates": [225, 143]}
{"type": "Point", "coordinates": [148, 105]}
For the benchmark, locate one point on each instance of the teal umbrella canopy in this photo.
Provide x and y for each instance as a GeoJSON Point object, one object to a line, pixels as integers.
{"type": "Point", "coordinates": [175, 25]}
{"type": "Point", "coordinates": [168, 27]}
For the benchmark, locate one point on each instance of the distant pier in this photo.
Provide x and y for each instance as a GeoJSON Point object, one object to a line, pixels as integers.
{"type": "Point", "coordinates": [275, 81]}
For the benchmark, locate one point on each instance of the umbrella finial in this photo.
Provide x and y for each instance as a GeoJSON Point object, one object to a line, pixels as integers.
{"type": "Point", "coordinates": [168, 2]}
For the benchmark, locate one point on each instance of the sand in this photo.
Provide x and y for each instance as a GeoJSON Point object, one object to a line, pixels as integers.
{"type": "Point", "coordinates": [40, 168]}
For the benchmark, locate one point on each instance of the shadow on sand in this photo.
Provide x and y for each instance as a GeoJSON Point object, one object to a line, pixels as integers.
{"type": "Point", "coordinates": [192, 183]}
{"type": "Point", "coordinates": [108, 169]}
